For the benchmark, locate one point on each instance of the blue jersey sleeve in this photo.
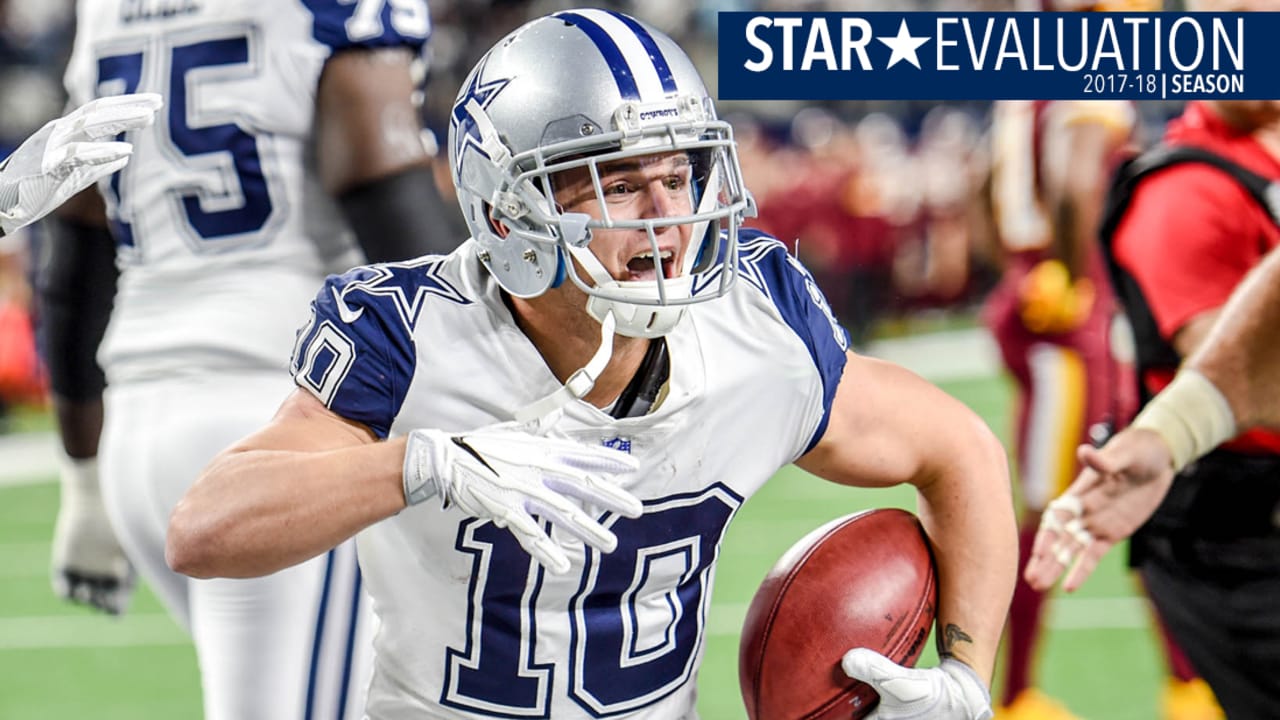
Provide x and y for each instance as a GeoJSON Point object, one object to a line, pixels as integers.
{"type": "Point", "coordinates": [356, 353]}
{"type": "Point", "coordinates": [370, 23]}
{"type": "Point", "coordinates": [804, 308]}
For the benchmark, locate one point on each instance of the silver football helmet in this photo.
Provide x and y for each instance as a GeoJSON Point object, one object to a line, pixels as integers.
{"type": "Point", "coordinates": [579, 89]}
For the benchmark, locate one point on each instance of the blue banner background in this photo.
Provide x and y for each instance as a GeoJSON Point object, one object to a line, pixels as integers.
{"type": "Point", "coordinates": [1259, 77]}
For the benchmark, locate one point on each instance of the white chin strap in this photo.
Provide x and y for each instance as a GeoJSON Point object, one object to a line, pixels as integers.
{"type": "Point", "coordinates": [640, 321]}
{"type": "Point", "coordinates": [579, 383]}
{"type": "Point", "coordinates": [633, 318]}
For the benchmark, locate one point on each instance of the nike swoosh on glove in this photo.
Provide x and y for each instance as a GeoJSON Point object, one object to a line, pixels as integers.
{"type": "Point", "coordinates": [951, 691]}
{"type": "Point", "coordinates": [505, 474]}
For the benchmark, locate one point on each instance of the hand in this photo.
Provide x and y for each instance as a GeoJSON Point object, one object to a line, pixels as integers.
{"type": "Point", "coordinates": [68, 155]}
{"type": "Point", "coordinates": [88, 566]}
{"type": "Point", "coordinates": [1119, 488]}
{"type": "Point", "coordinates": [505, 474]}
{"type": "Point", "coordinates": [951, 691]}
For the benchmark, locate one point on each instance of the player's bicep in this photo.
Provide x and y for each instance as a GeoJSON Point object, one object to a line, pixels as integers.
{"type": "Point", "coordinates": [366, 124]}
{"type": "Point", "coordinates": [887, 426]}
{"type": "Point", "coordinates": [304, 424]}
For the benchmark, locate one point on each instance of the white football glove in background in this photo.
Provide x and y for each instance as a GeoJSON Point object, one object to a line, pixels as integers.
{"type": "Point", "coordinates": [951, 691]}
{"type": "Point", "coordinates": [505, 474]}
{"type": "Point", "coordinates": [88, 565]}
{"type": "Point", "coordinates": [68, 155]}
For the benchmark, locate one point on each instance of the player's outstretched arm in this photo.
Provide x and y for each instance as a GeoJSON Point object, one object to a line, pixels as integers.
{"type": "Point", "coordinates": [1230, 382]}
{"type": "Point", "coordinates": [69, 154]}
{"type": "Point", "coordinates": [297, 487]}
{"type": "Point", "coordinates": [1241, 356]}
{"type": "Point", "coordinates": [311, 479]}
{"type": "Point", "coordinates": [888, 426]}
{"type": "Point", "coordinates": [1118, 488]}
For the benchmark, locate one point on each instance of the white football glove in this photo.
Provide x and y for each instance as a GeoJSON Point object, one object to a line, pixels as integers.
{"type": "Point", "coordinates": [951, 691]}
{"type": "Point", "coordinates": [88, 565]}
{"type": "Point", "coordinates": [68, 155]}
{"type": "Point", "coordinates": [506, 475]}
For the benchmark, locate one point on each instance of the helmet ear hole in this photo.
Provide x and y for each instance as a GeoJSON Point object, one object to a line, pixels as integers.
{"type": "Point", "coordinates": [496, 226]}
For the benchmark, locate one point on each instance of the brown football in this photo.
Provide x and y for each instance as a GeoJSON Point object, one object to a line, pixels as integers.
{"type": "Point", "coordinates": [863, 580]}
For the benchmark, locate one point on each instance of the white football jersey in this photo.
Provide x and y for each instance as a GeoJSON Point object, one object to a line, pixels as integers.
{"type": "Point", "coordinates": [470, 626]}
{"type": "Point", "coordinates": [222, 228]}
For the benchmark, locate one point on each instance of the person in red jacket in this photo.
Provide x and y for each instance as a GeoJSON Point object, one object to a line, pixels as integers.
{"type": "Point", "coordinates": [1210, 555]}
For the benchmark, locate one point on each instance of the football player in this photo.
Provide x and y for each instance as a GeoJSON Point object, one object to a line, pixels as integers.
{"type": "Point", "coordinates": [540, 438]}
{"type": "Point", "coordinates": [289, 143]}
{"type": "Point", "coordinates": [1050, 316]}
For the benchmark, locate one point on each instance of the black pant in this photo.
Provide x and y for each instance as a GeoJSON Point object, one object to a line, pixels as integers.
{"type": "Point", "coordinates": [1211, 562]}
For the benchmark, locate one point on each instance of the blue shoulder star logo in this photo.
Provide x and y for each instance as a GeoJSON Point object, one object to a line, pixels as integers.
{"type": "Point", "coordinates": [406, 284]}
{"type": "Point", "coordinates": [465, 130]}
{"type": "Point", "coordinates": [904, 46]}
{"type": "Point", "coordinates": [751, 250]}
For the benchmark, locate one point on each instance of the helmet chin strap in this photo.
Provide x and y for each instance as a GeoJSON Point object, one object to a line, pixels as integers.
{"type": "Point", "coordinates": [638, 321]}
{"type": "Point", "coordinates": [642, 320]}
{"type": "Point", "coordinates": [578, 384]}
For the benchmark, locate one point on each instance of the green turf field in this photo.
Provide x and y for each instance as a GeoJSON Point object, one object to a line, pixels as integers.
{"type": "Point", "coordinates": [59, 661]}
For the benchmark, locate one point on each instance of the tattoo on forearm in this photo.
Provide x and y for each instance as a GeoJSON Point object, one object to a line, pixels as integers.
{"type": "Point", "coordinates": [947, 639]}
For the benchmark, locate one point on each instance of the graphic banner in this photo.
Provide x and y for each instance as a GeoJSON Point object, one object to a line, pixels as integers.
{"type": "Point", "coordinates": [994, 56]}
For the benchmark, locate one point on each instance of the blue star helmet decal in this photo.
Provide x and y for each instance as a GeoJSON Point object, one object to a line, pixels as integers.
{"type": "Point", "coordinates": [466, 130]}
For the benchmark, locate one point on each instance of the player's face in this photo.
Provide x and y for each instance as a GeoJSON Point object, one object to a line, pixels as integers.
{"type": "Point", "coordinates": [638, 188]}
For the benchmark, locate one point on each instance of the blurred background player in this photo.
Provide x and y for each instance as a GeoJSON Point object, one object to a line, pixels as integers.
{"type": "Point", "coordinates": [290, 143]}
{"type": "Point", "coordinates": [1051, 315]}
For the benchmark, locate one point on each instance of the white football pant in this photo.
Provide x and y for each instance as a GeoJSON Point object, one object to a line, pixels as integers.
{"type": "Point", "coordinates": [293, 645]}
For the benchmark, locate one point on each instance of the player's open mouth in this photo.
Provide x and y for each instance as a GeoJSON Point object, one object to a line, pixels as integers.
{"type": "Point", "coordinates": [644, 267]}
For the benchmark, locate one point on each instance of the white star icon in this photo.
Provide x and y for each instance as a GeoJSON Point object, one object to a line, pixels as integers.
{"type": "Point", "coordinates": [904, 46]}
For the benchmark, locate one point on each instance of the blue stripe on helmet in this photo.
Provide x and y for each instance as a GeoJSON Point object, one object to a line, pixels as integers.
{"type": "Point", "coordinates": [655, 54]}
{"type": "Point", "coordinates": [612, 54]}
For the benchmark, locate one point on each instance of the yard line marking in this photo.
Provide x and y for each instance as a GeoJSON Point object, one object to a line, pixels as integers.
{"type": "Point", "coordinates": [28, 458]}
{"type": "Point", "coordinates": [1065, 613]}
{"type": "Point", "coordinates": [942, 356]}
{"type": "Point", "coordinates": [25, 559]}
{"type": "Point", "coordinates": [89, 631]}
{"type": "Point", "coordinates": [1100, 613]}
